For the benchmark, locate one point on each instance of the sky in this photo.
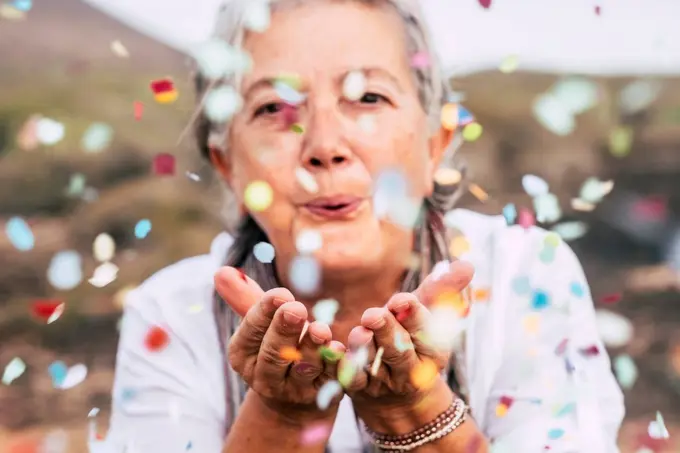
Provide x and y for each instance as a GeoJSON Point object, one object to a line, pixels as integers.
{"type": "Point", "coordinates": [628, 37]}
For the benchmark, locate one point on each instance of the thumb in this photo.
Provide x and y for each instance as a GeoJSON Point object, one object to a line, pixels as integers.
{"type": "Point", "coordinates": [454, 280]}
{"type": "Point", "coordinates": [237, 289]}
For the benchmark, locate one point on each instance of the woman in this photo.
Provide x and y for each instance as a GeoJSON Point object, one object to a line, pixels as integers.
{"type": "Point", "coordinates": [331, 158]}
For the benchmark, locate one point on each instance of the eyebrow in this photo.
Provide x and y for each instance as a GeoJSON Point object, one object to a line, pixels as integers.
{"type": "Point", "coordinates": [269, 81]}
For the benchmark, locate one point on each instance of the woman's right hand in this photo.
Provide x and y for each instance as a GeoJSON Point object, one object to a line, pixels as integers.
{"type": "Point", "coordinates": [263, 347]}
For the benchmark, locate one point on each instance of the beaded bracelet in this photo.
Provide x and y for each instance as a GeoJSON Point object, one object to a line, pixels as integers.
{"type": "Point", "coordinates": [441, 426]}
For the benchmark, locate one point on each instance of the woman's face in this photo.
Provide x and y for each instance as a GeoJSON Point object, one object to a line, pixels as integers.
{"type": "Point", "coordinates": [344, 144]}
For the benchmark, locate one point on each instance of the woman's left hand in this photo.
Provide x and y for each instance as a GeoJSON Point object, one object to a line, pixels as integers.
{"type": "Point", "coordinates": [403, 366]}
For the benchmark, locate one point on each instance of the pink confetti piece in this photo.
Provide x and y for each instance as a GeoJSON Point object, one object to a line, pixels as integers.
{"type": "Point", "coordinates": [316, 433]}
{"type": "Point", "coordinates": [562, 347]}
{"type": "Point", "coordinates": [420, 60]}
{"type": "Point", "coordinates": [590, 351]}
{"type": "Point", "coordinates": [598, 10]}
{"type": "Point", "coordinates": [526, 218]}
{"type": "Point", "coordinates": [164, 164]}
{"type": "Point", "coordinates": [486, 4]}
{"type": "Point", "coordinates": [138, 110]}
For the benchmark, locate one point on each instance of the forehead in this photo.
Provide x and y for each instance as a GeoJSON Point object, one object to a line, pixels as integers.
{"type": "Point", "coordinates": [318, 38]}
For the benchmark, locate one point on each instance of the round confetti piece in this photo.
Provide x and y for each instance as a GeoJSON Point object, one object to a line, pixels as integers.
{"type": "Point", "coordinates": [324, 310]}
{"type": "Point", "coordinates": [424, 374]}
{"type": "Point", "coordinates": [264, 252]}
{"type": "Point", "coordinates": [104, 274]}
{"type": "Point", "coordinates": [459, 246]}
{"type": "Point", "coordinates": [540, 300]}
{"type": "Point", "coordinates": [119, 49]}
{"type": "Point", "coordinates": [521, 285]}
{"type": "Point", "coordinates": [156, 339]}
{"type": "Point", "coordinates": [481, 294]}
{"type": "Point", "coordinates": [57, 371]}
{"type": "Point", "coordinates": [593, 190]}
{"type": "Point", "coordinates": [23, 5]}
{"type": "Point", "coordinates": [638, 95]}
{"type": "Point", "coordinates": [103, 247]}
{"type": "Point", "coordinates": [531, 323]}
{"type": "Point", "coordinates": [305, 274]}
{"type": "Point", "coordinates": [570, 231]}
{"type": "Point", "coordinates": [306, 180]}
{"type": "Point", "coordinates": [222, 103]}
{"type": "Point", "coordinates": [354, 86]}
{"type": "Point", "coordinates": [547, 255]}
{"type": "Point", "coordinates": [576, 94]}
{"type": "Point", "coordinates": [447, 176]}
{"type": "Point", "coordinates": [552, 240]}
{"type": "Point", "coordinates": [142, 228]}
{"type": "Point", "coordinates": [420, 60]}
{"type": "Point", "coordinates": [626, 371]}
{"type": "Point", "coordinates": [510, 213]}
{"type": "Point", "coordinates": [49, 132]}
{"type": "Point", "coordinates": [65, 270]}
{"type": "Point", "coordinates": [509, 64]}
{"type": "Point", "coordinates": [449, 116]}
{"type": "Point", "coordinates": [13, 370]}
{"type": "Point", "coordinates": [472, 132]}
{"type": "Point", "coordinates": [555, 434]}
{"type": "Point", "coordinates": [547, 208]}
{"type": "Point", "coordinates": [308, 241]}
{"type": "Point", "coordinates": [20, 234]}
{"type": "Point", "coordinates": [621, 141]}
{"type": "Point", "coordinates": [290, 353]}
{"type": "Point", "coordinates": [327, 392]}
{"type": "Point", "coordinates": [534, 185]}
{"type": "Point", "coordinates": [526, 218]}
{"type": "Point", "coordinates": [614, 329]}
{"type": "Point", "coordinates": [97, 137]}
{"type": "Point", "coordinates": [258, 196]}
{"type": "Point", "coordinates": [577, 289]}
{"type": "Point", "coordinates": [486, 4]}
{"type": "Point", "coordinates": [257, 16]}
{"type": "Point", "coordinates": [501, 410]}
{"type": "Point", "coordinates": [553, 115]}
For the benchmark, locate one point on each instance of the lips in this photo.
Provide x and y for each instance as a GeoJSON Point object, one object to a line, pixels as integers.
{"type": "Point", "coordinates": [336, 207]}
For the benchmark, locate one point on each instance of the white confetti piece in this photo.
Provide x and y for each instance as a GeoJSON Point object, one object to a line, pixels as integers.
{"type": "Point", "coordinates": [593, 190]}
{"type": "Point", "coordinates": [56, 314]}
{"type": "Point", "coordinates": [553, 115]}
{"type": "Point", "coordinates": [327, 392]}
{"type": "Point", "coordinates": [325, 310]}
{"type": "Point", "coordinates": [576, 94]}
{"type": "Point", "coordinates": [93, 412]}
{"type": "Point", "coordinates": [405, 213]}
{"type": "Point", "coordinates": [354, 86]}
{"type": "Point", "coordinates": [638, 95]}
{"type": "Point", "coordinates": [547, 208]}
{"type": "Point", "coordinates": [216, 59]}
{"type": "Point", "coordinates": [579, 205]}
{"type": "Point", "coordinates": [377, 361]}
{"type": "Point", "coordinates": [49, 132]}
{"type": "Point", "coordinates": [626, 371]}
{"type": "Point", "coordinates": [657, 429]}
{"type": "Point", "coordinates": [55, 441]}
{"type": "Point", "coordinates": [287, 93]}
{"type": "Point", "coordinates": [257, 16]}
{"type": "Point", "coordinates": [97, 137]}
{"type": "Point", "coordinates": [444, 327]}
{"type": "Point", "coordinates": [193, 176]}
{"type": "Point", "coordinates": [104, 274]}
{"type": "Point", "coordinates": [305, 274]}
{"type": "Point", "coordinates": [222, 103]}
{"type": "Point", "coordinates": [13, 370]}
{"type": "Point", "coordinates": [20, 234]}
{"type": "Point", "coordinates": [570, 231]}
{"type": "Point", "coordinates": [534, 185]}
{"type": "Point", "coordinates": [65, 271]}
{"type": "Point", "coordinates": [142, 228]}
{"type": "Point", "coordinates": [74, 376]}
{"type": "Point", "coordinates": [360, 357]}
{"type": "Point", "coordinates": [264, 252]}
{"type": "Point", "coordinates": [119, 49]}
{"type": "Point", "coordinates": [615, 330]}
{"type": "Point", "coordinates": [103, 248]}
{"type": "Point", "coordinates": [308, 241]}
{"type": "Point", "coordinates": [306, 180]}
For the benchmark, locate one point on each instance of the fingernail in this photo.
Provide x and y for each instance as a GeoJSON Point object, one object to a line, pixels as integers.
{"type": "Point", "coordinates": [403, 315]}
{"type": "Point", "coordinates": [278, 302]}
{"type": "Point", "coordinates": [378, 323]}
{"type": "Point", "coordinates": [400, 307]}
{"type": "Point", "coordinates": [316, 339]}
{"type": "Point", "coordinates": [291, 318]}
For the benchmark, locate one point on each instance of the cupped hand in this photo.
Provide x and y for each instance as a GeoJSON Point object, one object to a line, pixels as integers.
{"type": "Point", "coordinates": [392, 363]}
{"type": "Point", "coordinates": [269, 350]}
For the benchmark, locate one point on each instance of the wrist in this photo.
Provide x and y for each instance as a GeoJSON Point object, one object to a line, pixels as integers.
{"type": "Point", "coordinates": [293, 415]}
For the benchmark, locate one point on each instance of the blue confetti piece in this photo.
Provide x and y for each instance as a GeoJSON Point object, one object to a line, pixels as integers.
{"type": "Point", "coordinates": [510, 213]}
{"type": "Point", "coordinates": [577, 289]}
{"type": "Point", "coordinates": [20, 234]}
{"type": "Point", "coordinates": [58, 371]}
{"type": "Point", "coordinates": [521, 285]}
{"type": "Point", "coordinates": [556, 433]}
{"type": "Point", "coordinates": [566, 410]}
{"type": "Point", "coordinates": [23, 5]}
{"type": "Point", "coordinates": [464, 116]}
{"type": "Point", "coordinates": [143, 228]}
{"type": "Point", "coordinates": [127, 394]}
{"type": "Point", "coordinates": [568, 366]}
{"type": "Point", "coordinates": [66, 270]}
{"type": "Point", "coordinates": [547, 255]}
{"type": "Point", "coordinates": [189, 445]}
{"type": "Point", "coordinates": [540, 300]}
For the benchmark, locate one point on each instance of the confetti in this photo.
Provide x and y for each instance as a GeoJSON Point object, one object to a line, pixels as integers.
{"type": "Point", "coordinates": [366, 123]}
{"type": "Point", "coordinates": [47, 310]}
{"type": "Point", "coordinates": [555, 434]}
{"type": "Point", "coordinates": [193, 176]}
{"type": "Point", "coordinates": [626, 371]}
{"type": "Point", "coordinates": [324, 310]}
{"type": "Point", "coordinates": [540, 300]}
{"type": "Point", "coordinates": [222, 103]}
{"type": "Point", "coordinates": [119, 49]}
{"type": "Point", "coordinates": [93, 412]}
{"type": "Point", "coordinates": [552, 240]}
{"type": "Point", "coordinates": [486, 4]}
{"type": "Point", "coordinates": [354, 86]}
{"type": "Point", "coordinates": [329, 355]}
{"type": "Point", "coordinates": [481, 294]}
{"type": "Point", "coordinates": [420, 60]}
{"type": "Point", "coordinates": [49, 132]}
{"type": "Point", "coordinates": [287, 93]}
{"type": "Point", "coordinates": [447, 176]}
{"type": "Point", "coordinates": [13, 370]}
{"type": "Point", "coordinates": [11, 13]}
{"type": "Point", "coordinates": [327, 392]}
{"type": "Point", "coordinates": [290, 353]}
{"type": "Point", "coordinates": [553, 115]}
{"type": "Point", "coordinates": [306, 180]}
{"type": "Point", "coordinates": [258, 196]}
{"type": "Point", "coordinates": [164, 164]}
{"type": "Point", "coordinates": [611, 299]}
{"type": "Point", "coordinates": [402, 341]}
{"type": "Point", "coordinates": [615, 330]}
{"type": "Point", "coordinates": [478, 192]}
{"type": "Point", "coordinates": [575, 94]}
{"type": "Point", "coordinates": [424, 374]}
{"type": "Point", "coordinates": [97, 137]}
{"type": "Point", "coordinates": [579, 205]}
{"type": "Point", "coordinates": [138, 110]}
{"type": "Point", "coordinates": [534, 185]}
{"type": "Point", "coordinates": [216, 59]}
{"type": "Point", "coordinates": [657, 428]}
{"type": "Point", "coordinates": [103, 247]}
{"type": "Point", "coordinates": [577, 289]}
{"type": "Point", "coordinates": [316, 433]}
{"type": "Point", "coordinates": [57, 371]}
{"type": "Point", "coordinates": [510, 213]}
{"type": "Point", "coordinates": [264, 252]}
{"type": "Point", "coordinates": [531, 323]}
{"type": "Point", "coordinates": [390, 189]}
{"type": "Point", "coordinates": [74, 376]}
{"type": "Point", "coordinates": [526, 218]}
{"type": "Point", "coordinates": [509, 64]}
{"type": "Point", "coordinates": [547, 208]}
{"type": "Point", "coordinates": [521, 285]}
{"type": "Point", "coordinates": [20, 234]}
{"type": "Point", "coordinates": [297, 128]}
{"type": "Point", "coordinates": [142, 228]}
{"type": "Point", "coordinates": [570, 231]}
{"type": "Point", "coordinates": [164, 91]}
{"type": "Point", "coordinates": [65, 270]}
{"type": "Point", "coordinates": [76, 185]}
{"type": "Point", "coordinates": [257, 16]}
{"type": "Point", "coordinates": [472, 132]}
{"type": "Point", "coordinates": [346, 372]}
{"type": "Point", "coordinates": [305, 274]}
{"type": "Point", "coordinates": [621, 141]}
{"type": "Point", "coordinates": [156, 339]}
{"type": "Point", "coordinates": [547, 255]}
{"type": "Point", "coordinates": [308, 241]}
{"type": "Point", "coordinates": [464, 116]}
{"type": "Point", "coordinates": [377, 361]}
{"type": "Point", "coordinates": [104, 274]}
{"type": "Point", "coordinates": [449, 116]}
{"type": "Point", "coordinates": [638, 96]}
{"type": "Point", "coordinates": [593, 190]}
{"type": "Point", "coordinates": [459, 246]}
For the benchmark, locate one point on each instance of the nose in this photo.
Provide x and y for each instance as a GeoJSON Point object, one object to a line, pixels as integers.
{"type": "Point", "coordinates": [324, 146]}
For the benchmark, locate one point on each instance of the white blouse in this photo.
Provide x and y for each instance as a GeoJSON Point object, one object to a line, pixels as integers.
{"type": "Point", "coordinates": [538, 376]}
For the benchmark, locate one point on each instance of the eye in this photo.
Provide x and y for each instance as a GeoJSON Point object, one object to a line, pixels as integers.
{"type": "Point", "coordinates": [372, 98]}
{"type": "Point", "coordinates": [269, 109]}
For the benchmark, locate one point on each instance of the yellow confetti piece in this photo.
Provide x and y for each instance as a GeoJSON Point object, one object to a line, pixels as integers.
{"type": "Point", "coordinates": [449, 117]}
{"type": "Point", "coordinates": [10, 13]}
{"type": "Point", "coordinates": [258, 196]}
{"type": "Point", "coordinates": [531, 323]}
{"type": "Point", "coordinates": [501, 410]}
{"type": "Point", "coordinates": [454, 300]}
{"type": "Point", "coordinates": [346, 373]}
{"type": "Point", "coordinates": [472, 132]}
{"type": "Point", "coordinates": [297, 128]}
{"type": "Point", "coordinates": [621, 141]}
{"type": "Point", "coordinates": [509, 64]}
{"type": "Point", "coordinates": [478, 192]}
{"type": "Point", "coordinates": [552, 239]}
{"type": "Point", "coordinates": [447, 176]}
{"type": "Point", "coordinates": [120, 297]}
{"type": "Point", "coordinates": [290, 353]}
{"type": "Point", "coordinates": [459, 246]}
{"type": "Point", "coordinates": [424, 375]}
{"type": "Point", "coordinates": [377, 361]}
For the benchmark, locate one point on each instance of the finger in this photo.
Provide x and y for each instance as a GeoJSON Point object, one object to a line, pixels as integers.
{"type": "Point", "coordinates": [352, 368]}
{"type": "Point", "coordinates": [311, 365]}
{"type": "Point", "coordinates": [237, 289]}
{"type": "Point", "coordinates": [453, 281]}
{"type": "Point", "coordinates": [284, 332]}
{"type": "Point", "coordinates": [385, 327]}
{"type": "Point", "coordinates": [332, 358]}
{"type": "Point", "coordinates": [249, 336]}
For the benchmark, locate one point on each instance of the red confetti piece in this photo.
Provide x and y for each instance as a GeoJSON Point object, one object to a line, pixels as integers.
{"type": "Point", "coordinates": [164, 164]}
{"type": "Point", "coordinates": [44, 309]}
{"type": "Point", "coordinates": [506, 401]}
{"type": "Point", "coordinates": [156, 339]}
{"type": "Point", "coordinates": [162, 86]}
{"type": "Point", "coordinates": [486, 4]}
{"type": "Point", "coordinates": [590, 351]}
{"type": "Point", "coordinates": [139, 110]}
{"type": "Point", "coordinates": [526, 218]}
{"type": "Point", "coordinates": [653, 209]}
{"type": "Point", "coordinates": [611, 298]}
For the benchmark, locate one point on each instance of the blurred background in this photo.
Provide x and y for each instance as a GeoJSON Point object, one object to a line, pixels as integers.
{"type": "Point", "coordinates": [90, 158]}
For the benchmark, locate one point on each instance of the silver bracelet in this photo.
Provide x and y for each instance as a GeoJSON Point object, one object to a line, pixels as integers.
{"type": "Point", "coordinates": [453, 418]}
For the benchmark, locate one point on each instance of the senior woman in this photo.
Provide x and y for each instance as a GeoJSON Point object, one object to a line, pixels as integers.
{"type": "Point", "coordinates": [379, 342]}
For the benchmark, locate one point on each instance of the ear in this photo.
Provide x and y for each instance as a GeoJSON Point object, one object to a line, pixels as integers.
{"type": "Point", "coordinates": [439, 142]}
{"type": "Point", "coordinates": [221, 163]}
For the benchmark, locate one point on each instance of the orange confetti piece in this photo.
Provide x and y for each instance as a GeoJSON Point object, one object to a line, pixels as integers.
{"type": "Point", "coordinates": [449, 117]}
{"type": "Point", "coordinates": [478, 192]}
{"type": "Point", "coordinates": [481, 294]}
{"type": "Point", "coordinates": [424, 375]}
{"type": "Point", "coordinates": [501, 410]}
{"type": "Point", "coordinates": [291, 354]}
{"type": "Point", "coordinates": [455, 300]}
